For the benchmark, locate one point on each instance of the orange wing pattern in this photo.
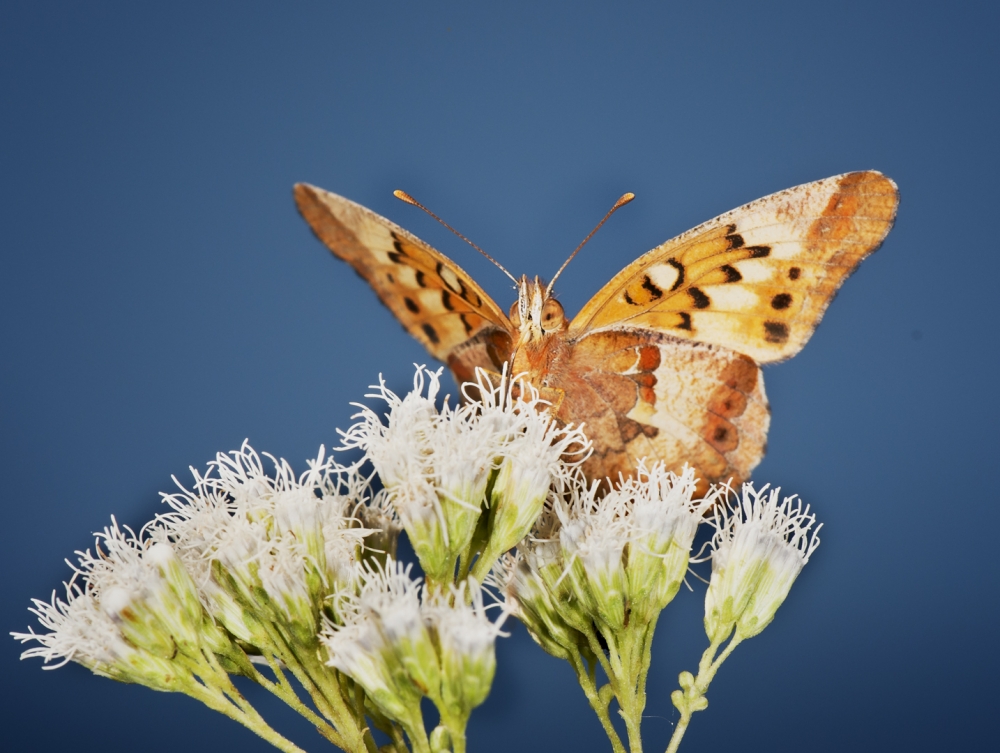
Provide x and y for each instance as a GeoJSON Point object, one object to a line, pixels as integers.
{"type": "Point", "coordinates": [646, 395]}
{"type": "Point", "coordinates": [757, 279]}
{"type": "Point", "coordinates": [433, 298]}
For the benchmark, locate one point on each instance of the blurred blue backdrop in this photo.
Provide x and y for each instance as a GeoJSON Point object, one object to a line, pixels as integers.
{"type": "Point", "coordinates": [160, 300]}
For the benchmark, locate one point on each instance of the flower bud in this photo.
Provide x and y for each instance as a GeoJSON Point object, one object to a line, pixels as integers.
{"type": "Point", "coordinates": [760, 547]}
{"type": "Point", "coordinates": [466, 640]}
{"type": "Point", "coordinates": [664, 520]}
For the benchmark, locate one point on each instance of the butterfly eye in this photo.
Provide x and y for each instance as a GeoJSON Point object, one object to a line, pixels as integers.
{"type": "Point", "coordinates": [552, 315]}
{"type": "Point", "coordinates": [515, 315]}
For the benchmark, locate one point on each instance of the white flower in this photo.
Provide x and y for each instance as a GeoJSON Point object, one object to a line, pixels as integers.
{"type": "Point", "coordinates": [617, 558]}
{"type": "Point", "coordinates": [359, 650]}
{"type": "Point", "coordinates": [761, 545]}
{"type": "Point", "coordinates": [382, 642]}
{"type": "Point", "coordinates": [433, 466]}
{"type": "Point", "coordinates": [294, 538]}
{"type": "Point", "coordinates": [398, 641]}
{"type": "Point", "coordinates": [466, 639]}
{"type": "Point", "coordinates": [436, 464]}
{"type": "Point", "coordinates": [536, 454]}
{"type": "Point", "coordinates": [593, 537]}
{"type": "Point", "coordinates": [129, 609]}
{"type": "Point", "coordinates": [663, 519]}
{"type": "Point", "coordinates": [527, 596]}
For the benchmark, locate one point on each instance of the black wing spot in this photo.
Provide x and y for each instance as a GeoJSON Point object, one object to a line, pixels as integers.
{"type": "Point", "coordinates": [732, 273]}
{"type": "Point", "coordinates": [397, 256]}
{"type": "Point", "coordinates": [734, 239]}
{"type": "Point", "coordinates": [759, 252]}
{"type": "Point", "coordinates": [628, 300]}
{"type": "Point", "coordinates": [721, 432]}
{"type": "Point", "coordinates": [654, 292]}
{"type": "Point", "coordinates": [446, 300]}
{"type": "Point", "coordinates": [680, 273]}
{"type": "Point", "coordinates": [391, 279]}
{"type": "Point", "coordinates": [420, 279]}
{"type": "Point", "coordinates": [793, 273]}
{"type": "Point", "coordinates": [411, 305]}
{"type": "Point", "coordinates": [698, 298]}
{"type": "Point", "coordinates": [465, 323]}
{"type": "Point", "coordinates": [775, 332]}
{"type": "Point", "coordinates": [781, 301]}
{"type": "Point", "coordinates": [685, 321]}
{"type": "Point", "coordinates": [432, 335]}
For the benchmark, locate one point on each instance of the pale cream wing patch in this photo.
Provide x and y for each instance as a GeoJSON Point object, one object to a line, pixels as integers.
{"type": "Point", "coordinates": [434, 299]}
{"type": "Point", "coordinates": [757, 279]}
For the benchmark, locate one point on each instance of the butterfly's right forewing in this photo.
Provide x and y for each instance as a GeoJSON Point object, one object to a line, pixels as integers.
{"type": "Point", "coordinates": [434, 299]}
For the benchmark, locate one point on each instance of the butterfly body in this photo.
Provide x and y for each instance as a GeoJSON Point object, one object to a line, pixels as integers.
{"type": "Point", "coordinates": [663, 363]}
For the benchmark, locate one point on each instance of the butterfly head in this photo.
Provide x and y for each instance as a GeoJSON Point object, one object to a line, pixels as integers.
{"type": "Point", "coordinates": [536, 313]}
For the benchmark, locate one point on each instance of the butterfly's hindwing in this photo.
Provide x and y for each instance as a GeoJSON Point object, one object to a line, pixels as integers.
{"type": "Point", "coordinates": [672, 400]}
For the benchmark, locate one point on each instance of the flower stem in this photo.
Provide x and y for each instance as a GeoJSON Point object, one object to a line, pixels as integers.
{"type": "Point", "coordinates": [284, 690]}
{"type": "Point", "coordinates": [692, 698]}
{"type": "Point", "coordinates": [589, 685]}
{"type": "Point", "coordinates": [456, 729]}
{"type": "Point", "coordinates": [631, 699]}
{"type": "Point", "coordinates": [217, 691]}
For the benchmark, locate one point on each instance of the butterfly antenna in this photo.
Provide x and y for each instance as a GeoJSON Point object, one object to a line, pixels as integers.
{"type": "Point", "coordinates": [625, 199]}
{"type": "Point", "coordinates": [403, 196]}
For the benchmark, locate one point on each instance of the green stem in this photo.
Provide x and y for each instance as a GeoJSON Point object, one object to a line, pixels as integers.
{"type": "Point", "coordinates": [485, 562]}
{"type": "Point", "coordinates": [456, 729]}
{"type": "Point", "coordinates": [586, 679]}
{"type": "Point", "coordinates": [647, 658]}
{"type": "Point", "coordinates": [359, 713]}
{"type": "Point", "coordinates": [315, 677]}
{"type": "Point", "coordinates": [414, 727]}
{"type": "Point", "coordinates": [283, 689]}
{"type": "Point", "coordinates": [707, 668]}
{"type": "Point", "coordinates": [598, 651]}
{"type": "Point", "coordinates": [217, 691]}
{"type": "Point", "coordinates": [627, 667]}
{"type": "Point", "coordinates": [630, 701]}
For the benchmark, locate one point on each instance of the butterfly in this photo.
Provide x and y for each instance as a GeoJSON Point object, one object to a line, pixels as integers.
{"type": "Point", "coordinates": [664, 363]}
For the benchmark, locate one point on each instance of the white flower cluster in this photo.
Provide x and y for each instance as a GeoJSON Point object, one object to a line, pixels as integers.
{"type": "Point", "coordinates": [258, 544]}
{"type": "Point", "coordinates": [612, 561]}
{"type": "Point", "coordinates": [129, 610]}
{"type": "Point", "coordinates": [615, 561]}
{"type": "Point", "coordinates": [401, 642]}
{"type": "Point", "coordinates": [592, 578]}
{"type": "Point", "coordinates": [437, 465]}
{"type": "Point", "coordinates": [257, 566]}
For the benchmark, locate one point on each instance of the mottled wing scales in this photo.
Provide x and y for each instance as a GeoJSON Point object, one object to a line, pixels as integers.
{"type": "Point", "coordinates": [647, 395]}
{"type": "Point", "coordinates": [436, 301]}
{"type": "Point", "coordinates": [757, 279]}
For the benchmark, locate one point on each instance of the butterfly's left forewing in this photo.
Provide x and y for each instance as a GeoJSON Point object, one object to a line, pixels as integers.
{"type": "Point", "coordinates": [434, 299]}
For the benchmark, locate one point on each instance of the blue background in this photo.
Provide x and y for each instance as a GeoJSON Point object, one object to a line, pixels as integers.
{"type": "Point", "coordinates": [160, 300]}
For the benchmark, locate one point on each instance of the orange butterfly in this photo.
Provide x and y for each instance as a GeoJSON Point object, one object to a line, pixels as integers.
{"type": "Point", "coordinates": [664, 362]}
